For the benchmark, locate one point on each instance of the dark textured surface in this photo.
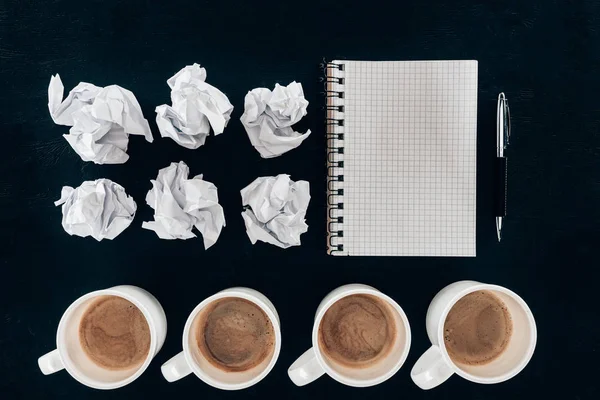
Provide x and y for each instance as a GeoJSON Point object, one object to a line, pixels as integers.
{"type": "Point", "coordinates": [545, 55]}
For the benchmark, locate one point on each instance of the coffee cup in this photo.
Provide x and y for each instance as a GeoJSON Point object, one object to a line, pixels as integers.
{"type": "Point", "coordinates": [89, 358]}
{"type": "Point", "coordinates": [483, 333]}
{"type": "Point", "coordinates": [366, 359]}
{"type": "Point", "coordinates": [231, 340]}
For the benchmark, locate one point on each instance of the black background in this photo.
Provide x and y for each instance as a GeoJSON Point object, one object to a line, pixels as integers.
{"type": "Point", "coordinates": [545, 55]}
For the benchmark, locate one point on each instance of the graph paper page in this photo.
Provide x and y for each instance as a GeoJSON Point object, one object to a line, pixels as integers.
{"type": "Point", "coordinates": [410, 149]}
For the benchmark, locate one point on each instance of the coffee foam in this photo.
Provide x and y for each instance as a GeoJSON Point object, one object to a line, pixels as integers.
{"type": "Point", "coordinates": [477, 329]}
{"type": "Point", "coordinates": [234, 334]}
{"type": "Point", "coordinates": [114, 333]}
{"type": "Point", "coordinates": [357, 331]}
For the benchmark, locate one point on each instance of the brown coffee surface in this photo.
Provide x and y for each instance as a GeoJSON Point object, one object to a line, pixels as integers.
{"type": "Point", "coordinates": [477, 329]}
{"type": "Point", "coordinates": [357, 331]}
{"type": "Point", "coordinates": [114, 333]}
{"type": "Point", "coordinates": [234, 334]}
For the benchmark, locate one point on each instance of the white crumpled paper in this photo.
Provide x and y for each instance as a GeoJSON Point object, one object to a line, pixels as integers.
{"type": "Point", "coordinates": [196, 107]}
{"type": "Point", "coordinates": [268, 117]}
{"type": "Point", "coordinates": [180, 204]}
{"type": "Point", "coordinates": [276, 207]}
{"type": "Point", "coordinates": [99, 208]}
{"type": "Point", "coordinates": [101, 119]}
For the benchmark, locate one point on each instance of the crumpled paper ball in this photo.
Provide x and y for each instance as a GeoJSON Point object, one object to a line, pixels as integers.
{"type": "Point", "coordinates": [99, 208]}
{"type": "Point", "coordinates": [269, 115]}
{"type": "Point", "coordinates": [101, 120]}
{"type": "Point", "coordinates": [196, 107]}
{"type": "Point", "coordinates": [275, 210]}
{"type": "Point", "coordinates": [180, 204]}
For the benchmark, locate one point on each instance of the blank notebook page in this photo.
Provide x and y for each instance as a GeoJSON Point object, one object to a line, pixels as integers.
{"type": "Point", "coordinates": [410, 149]}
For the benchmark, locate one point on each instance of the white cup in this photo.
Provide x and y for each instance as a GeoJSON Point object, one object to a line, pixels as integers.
{"type": "Point", "coordinates": [435, 366]}
{"type": "Point", "coordinates": [70, 355]}
{"type": "Point", "coordinates": [191, 360]}
{"type": "Point", "coordinates": [313, 363]}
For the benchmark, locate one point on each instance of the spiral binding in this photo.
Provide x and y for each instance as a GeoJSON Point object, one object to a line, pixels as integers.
{"type": "Point", "coordinates": [334, 80]}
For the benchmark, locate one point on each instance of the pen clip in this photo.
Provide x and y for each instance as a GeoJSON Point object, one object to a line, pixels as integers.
{"type": "Point", "coordinates": [507, 127]}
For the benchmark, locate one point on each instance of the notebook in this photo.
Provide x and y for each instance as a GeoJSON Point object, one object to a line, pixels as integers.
{"type": "Point", "coordinates": [402, 153]}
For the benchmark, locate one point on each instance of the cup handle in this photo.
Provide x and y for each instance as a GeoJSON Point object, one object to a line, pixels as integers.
{"type": "Point", "coordinates": [176, 368]}
{"type": "Point", "coordinates": [50, 363]}
{"type": "Point", "coordinates": [305, 369]}
{"type": "Point", "coordinates": [430, 370]}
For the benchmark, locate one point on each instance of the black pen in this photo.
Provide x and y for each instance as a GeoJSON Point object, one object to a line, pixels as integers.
{"type": "Point", "coordinates": [502, 138]}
